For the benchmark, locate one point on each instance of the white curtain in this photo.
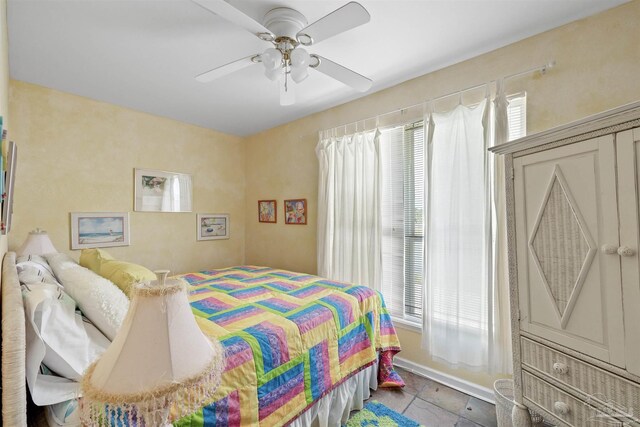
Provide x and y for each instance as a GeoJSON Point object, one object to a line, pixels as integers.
{"type": "Point", "coordinates": [500, 347]}
{"type": "Point", "coordinates": [349, 192]}
{"type": "Point", "coordinates": [458, 301]}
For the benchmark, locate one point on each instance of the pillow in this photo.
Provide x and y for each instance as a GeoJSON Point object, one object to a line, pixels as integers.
{"type": "Point", "coordinates": [99, 299]}
{"type": "Point", "coordinates": [34, 268]}
{"type": "Point", "coordinates": [59, 338]}
{"type": "Point", "coordinates": [125, 274]}
{"type": "Point", "coordinates": [64, 413]}
{"type": "Point", "coordinates": [92, 258]}
{"type": "Point", "coordinates": [28, 273]}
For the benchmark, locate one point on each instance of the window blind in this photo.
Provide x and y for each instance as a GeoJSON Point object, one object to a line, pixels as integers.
{"type": "Point", "coordinates": [392, 288]}
{"type": "Point", "coordinates": [413, 219]}
{"type": "Point", "coordinates": [517, 116]}
{"type": "Point", "coordinates": [402, 219]}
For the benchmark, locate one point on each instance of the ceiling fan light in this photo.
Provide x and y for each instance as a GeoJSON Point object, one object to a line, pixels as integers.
{"type": "Point", "coordinates": [299, 74]}
{"type": "Point", "coordinates": [273, 74]}
{"type": "Point", "coordinates": [272, 59]}
{"type": "Point", "coordinates": [300, 58]}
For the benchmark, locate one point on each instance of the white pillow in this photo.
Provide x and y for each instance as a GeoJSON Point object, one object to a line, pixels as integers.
{"type": "Point", "coordinates": [28, 273]}
{"type": "Point", "coordinates": [64, 414]}
{"type": "Point", "coordinates": [71, 342]}
{"type": "Point", "coordinates": [98, 298]}
{"type": "Point", "coordinates": [33, 269]}
{"type": "Point", "coordinates": [35, 260]}
{"type": "Point", "coordinates": [58, 337]}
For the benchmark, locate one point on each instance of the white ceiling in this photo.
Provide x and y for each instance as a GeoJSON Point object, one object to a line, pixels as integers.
{"type": "Point", "coordinates": [144, 54]}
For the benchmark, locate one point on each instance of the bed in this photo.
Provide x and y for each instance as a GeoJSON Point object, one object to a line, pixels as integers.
{"type": "Point", "coordinates": [300, 350]}
{"type": "Point", "coordinates": [290, 340]}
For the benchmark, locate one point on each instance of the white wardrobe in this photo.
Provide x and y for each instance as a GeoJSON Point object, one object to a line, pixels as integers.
{"type": "Point", "coordinates": [573, 208]}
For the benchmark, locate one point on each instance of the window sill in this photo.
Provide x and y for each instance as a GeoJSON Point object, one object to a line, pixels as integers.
{"type": "Point", "coordinates": [406, 324]}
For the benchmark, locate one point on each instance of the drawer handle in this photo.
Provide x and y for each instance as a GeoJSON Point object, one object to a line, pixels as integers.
{"type": "Point", "coordinates": [626, 251]}
{"type": "Point", "coordinates": [561, 408]}
{"type": "Point", "coordinates": [560, 368]}
{"type": "Point", "coordinates": [609, 249]}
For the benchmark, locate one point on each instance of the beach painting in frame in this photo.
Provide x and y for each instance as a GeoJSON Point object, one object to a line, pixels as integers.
{"type": "Point", "coordinates": [212, 226]}
{"type": "Point", "coordinates": [267, 211]}
{"type": "Point", "coordinates": [295, 211]}
{"type": "Point", "coordinates": [99, 229]}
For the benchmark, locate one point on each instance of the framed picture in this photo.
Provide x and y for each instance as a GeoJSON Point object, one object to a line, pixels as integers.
{"type": "Point", "coordinates": [295, 211]}
{"type": "Point", "coordinates": [10, 178]}
{"type": "Point", "coordinates": [212, 226]}
{"type": "Point", "coordinates": [99, 229]}
{"type": "Point", "coordinates": [267, 211]}
{"type": "Point", "coordinates": [161, 191]}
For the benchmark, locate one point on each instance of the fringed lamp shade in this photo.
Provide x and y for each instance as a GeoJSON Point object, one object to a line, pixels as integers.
{"type": "Point", "coordinates": [159, 367]}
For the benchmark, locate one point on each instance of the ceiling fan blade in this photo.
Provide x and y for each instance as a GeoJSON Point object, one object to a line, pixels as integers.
{"type": "Point", "coordinates": [342, 74]}
{"type": "Point", "coordinates": [223, 70]}
{"type": "Point", "coordinates": [235, 16]}
{"type": "Point", "coordinates": [349, 16]}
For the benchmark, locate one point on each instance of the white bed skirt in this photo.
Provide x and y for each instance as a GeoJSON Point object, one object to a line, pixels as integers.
{"type": "Point", "coordinates": [334, 408]}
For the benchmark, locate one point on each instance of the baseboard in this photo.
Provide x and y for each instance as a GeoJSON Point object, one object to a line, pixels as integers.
{"type": "Point", "coordinates": [464, 386]}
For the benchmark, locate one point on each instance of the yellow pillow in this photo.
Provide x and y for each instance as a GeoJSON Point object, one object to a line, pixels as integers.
{"type": "Point", "coordinates": [124, 274]}
{"type": "Point", "coordinates": [92, 258]}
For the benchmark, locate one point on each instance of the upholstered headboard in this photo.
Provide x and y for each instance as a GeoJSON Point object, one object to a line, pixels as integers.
{"type": "Point", "coordinates": [14, 392]}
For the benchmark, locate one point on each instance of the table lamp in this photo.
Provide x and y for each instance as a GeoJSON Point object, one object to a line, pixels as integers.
{"type": "Point", "coordinates": [159, 367]}
{"type": "Point", "coordinates": [37, 243]}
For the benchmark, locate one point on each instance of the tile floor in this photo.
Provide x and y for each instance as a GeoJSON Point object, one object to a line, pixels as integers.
{"type": "Point", "coordinates": [435, 405]}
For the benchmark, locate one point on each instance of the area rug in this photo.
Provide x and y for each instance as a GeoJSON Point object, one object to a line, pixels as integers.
{"type": "Point", "coordinates": [376, 414]}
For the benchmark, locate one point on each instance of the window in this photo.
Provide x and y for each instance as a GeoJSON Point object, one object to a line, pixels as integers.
{"type": "Point", "coordinates": [413, 219]}
{"type": "Point", "coordinates": [403, 192]}
{"type": "Point", "coordinates": [517, 116]}
{"type": "Point", "coordinates": [402, 219]}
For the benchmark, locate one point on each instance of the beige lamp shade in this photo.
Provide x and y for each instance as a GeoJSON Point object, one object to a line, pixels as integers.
{"type": "Point", "coordinates": [159, 361]}
{"type": "Point", "coordinates": [37, 243]}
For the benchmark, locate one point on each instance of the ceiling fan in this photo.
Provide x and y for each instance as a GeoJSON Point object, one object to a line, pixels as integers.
{"type": "Point", "coordinates": [287, 30]}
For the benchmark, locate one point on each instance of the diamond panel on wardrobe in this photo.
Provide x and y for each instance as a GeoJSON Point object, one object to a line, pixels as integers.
{"type": "Point", "coordinates": [560, 245]}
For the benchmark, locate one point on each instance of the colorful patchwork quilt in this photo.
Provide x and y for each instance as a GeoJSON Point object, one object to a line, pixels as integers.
{"type": "Point", "coordinates": [289, 338]}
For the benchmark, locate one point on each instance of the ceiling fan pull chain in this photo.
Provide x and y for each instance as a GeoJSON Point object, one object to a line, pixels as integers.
{"type": "Point", "coordinates": [286, 77]}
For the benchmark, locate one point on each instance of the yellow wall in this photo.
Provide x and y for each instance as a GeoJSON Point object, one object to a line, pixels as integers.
{"type": "Point", "coordinates": [78, 155]}
{"type": "Point", "coordinates": [4, 60]}
{"type": "Point", "coordinates": [4, 87]}
{"type": "Point", "coordinates": [598, 67]}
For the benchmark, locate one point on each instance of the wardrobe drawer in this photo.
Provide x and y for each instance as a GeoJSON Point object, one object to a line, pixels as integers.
{"type": "Point", "coordinates": [617, 393]}
{"type": "Point", "coordinates": [565, 407]}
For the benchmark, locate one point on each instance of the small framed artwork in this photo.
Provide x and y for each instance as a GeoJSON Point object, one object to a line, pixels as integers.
{"type": "Point", "coordinates": [295, 211]}
{"type": "Point", "coordinates": [212, 226]}
{"type": "Point", "coordinates": [99, 229]}
{"type": "Point", "coordinates": [267, 211]}
{"type": "Point", "coordinates": [10, 178]}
